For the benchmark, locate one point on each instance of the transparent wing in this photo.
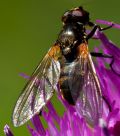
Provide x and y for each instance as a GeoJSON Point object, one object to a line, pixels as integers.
{"type": "Point", "coordinates": [85, 90]}
{"type": "Point", "coordinates": [39, 88]}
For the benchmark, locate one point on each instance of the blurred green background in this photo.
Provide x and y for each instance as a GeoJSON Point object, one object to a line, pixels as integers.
{"type": "Point", "coordinates": [27, 30]}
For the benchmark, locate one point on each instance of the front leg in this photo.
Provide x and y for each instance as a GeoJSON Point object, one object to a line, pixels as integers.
{"type": "Point", "coordinates": [90, 35]}
{"type": "Point", "coordinates": [95, 27]}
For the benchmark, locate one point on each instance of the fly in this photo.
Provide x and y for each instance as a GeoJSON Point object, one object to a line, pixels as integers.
{"type": "Point", "coordinates": [68, 64]}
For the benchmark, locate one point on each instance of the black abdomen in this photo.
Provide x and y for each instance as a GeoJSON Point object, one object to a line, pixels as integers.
{"type": "Point", "coordinates": [67, 82]}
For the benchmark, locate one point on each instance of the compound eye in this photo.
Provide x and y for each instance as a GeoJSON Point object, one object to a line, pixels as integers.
{"type": "Point", "coordinates": [77, 13]}
{"type": "Point", "coordinates": [65, 16]}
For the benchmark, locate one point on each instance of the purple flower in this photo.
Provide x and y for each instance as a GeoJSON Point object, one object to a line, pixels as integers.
{"type": "Point", "coordinates": [72, 123]}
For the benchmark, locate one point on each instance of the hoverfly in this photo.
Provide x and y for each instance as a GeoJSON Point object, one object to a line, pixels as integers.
{"type": "Point", "coordinates": [68, 64]}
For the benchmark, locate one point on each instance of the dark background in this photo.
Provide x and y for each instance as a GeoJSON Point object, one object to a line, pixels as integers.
{"type": "Point", "coordinates": [27, 30]}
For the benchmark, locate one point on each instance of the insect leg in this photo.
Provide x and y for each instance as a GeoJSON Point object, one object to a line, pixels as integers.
{"type": "Point", "coordinates": [90, 35]}
{"type": "Point", "coordinates": [106, 101]}
{"type": "Point", "coordinates": [108, 27]}
{"type": "Point", "coordinates": [97, 54]}
{"type": "Point", "coordinates": [40, 113]}
{"type": "Point", "coordinates": [95, 27]}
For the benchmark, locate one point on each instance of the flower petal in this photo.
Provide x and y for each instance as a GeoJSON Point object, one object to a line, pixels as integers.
{"type": "Point", "coordinates": [7, 131]}
{"type": "Point", "coordinates": [33, 132]}
{"type": "Point", "coordinates": [53, 112]}
{"type": "Point", "coordinates": [38, 125]}
{"type": "Point", "coordinates": [51, 124]}
{"type": "Point", "coordinates": [116, 129]}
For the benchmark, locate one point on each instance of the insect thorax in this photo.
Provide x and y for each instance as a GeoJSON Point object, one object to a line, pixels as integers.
{"type": "Point", "coordinates": [70, 37]}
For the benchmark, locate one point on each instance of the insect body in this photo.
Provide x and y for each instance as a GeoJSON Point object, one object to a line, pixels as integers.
{"type": "Point", "coordinates": [68, 64]}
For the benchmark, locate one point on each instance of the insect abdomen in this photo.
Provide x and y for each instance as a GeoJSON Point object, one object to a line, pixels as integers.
{"type": "Point", "coordinates": [66, 94]}
{"type": "Point", "coordinates": [64, 81]}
